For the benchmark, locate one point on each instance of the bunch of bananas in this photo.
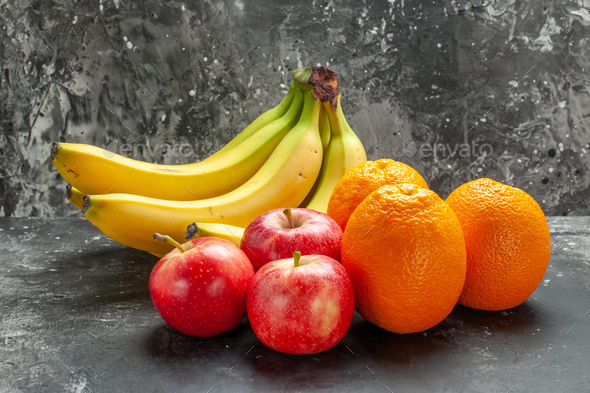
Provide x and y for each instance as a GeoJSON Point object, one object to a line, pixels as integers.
{"type": "Point", "coordinates": [291, 156]}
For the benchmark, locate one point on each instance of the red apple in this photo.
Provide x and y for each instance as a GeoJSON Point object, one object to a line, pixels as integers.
{"type": "Point", "coordinates": [277, 233]}
{"type": "Point", "coordinates": [301, 305]}
{"type": "Point", "coordinates": [200, 288]}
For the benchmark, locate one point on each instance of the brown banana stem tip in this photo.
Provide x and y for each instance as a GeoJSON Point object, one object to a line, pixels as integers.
{"type": "Point", "coordinates": [86, 204]}
{"type": "Point", "coordinates": [69, 191]}
{"type": "Point", "coordinates": [324, 83]}
{"type": "Point", "coordinates": [191, 230]}
{"type": "Point", "coordinates": [158, 237]}
{"type": "Point", "coordinates": [54, 147]}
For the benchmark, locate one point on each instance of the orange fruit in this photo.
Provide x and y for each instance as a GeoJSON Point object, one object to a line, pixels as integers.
{"type": "Point", "coordinates": [404, 250]}
{"type": "Point", "coordinates": [508, 243]}
{"type": "Point", "coordinates": [361, 180]}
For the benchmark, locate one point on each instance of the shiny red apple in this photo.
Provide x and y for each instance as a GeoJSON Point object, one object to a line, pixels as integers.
{"type": "Point", "coordinates": [301, 305]}
{"type": "Point", "coordinates": [200, 288]}
{"type": "Point", "coordinates": [277, 233]}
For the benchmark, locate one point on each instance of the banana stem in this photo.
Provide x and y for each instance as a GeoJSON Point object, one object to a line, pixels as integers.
{"type": "Point", "coordinates": [302, 75]}
{"type": "Point", "coordinates": [169, 240]}
{"type": "Point", "coordinates": [296, 257]}
{"type": "Point", "coordinates": [54, 147]}
{"type": "Point", "coordinates": [287, 212]}
{"type": "Point", "coordinates": [191, 231]}
{"type": "Point", "coordinates": [324, 83]}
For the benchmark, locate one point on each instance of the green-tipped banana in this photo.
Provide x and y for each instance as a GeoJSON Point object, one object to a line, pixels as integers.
{"type": "Point", "coordinates": [344, 152]}
{"type": "Point", "coordinates": [260, 122]}
{"type": "Point", "coordinates": [325, 135]}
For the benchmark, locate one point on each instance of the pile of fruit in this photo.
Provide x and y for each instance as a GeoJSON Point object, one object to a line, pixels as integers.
{"type": "Point", "coordinates": [289, 224]}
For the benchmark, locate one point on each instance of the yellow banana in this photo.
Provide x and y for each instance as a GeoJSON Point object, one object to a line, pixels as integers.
{"type": "Point", "coordinates": [283, 181]}
{"type": "Point", "coordinates": [203, 229]}
{"type": "Point", "coordinates": [93, 170]}
{"type": "Point", "coordinates": [344, 152]}
{"type": "Point", "coordinates": [77, 199]}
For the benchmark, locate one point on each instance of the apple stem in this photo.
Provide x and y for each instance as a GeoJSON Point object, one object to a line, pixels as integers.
{"type": "Point", "coordinates": [169, 240]}
{"type": "Point", "coordinates": [287, 212]}
{"type": "Point", "coordinates": [296, 256]}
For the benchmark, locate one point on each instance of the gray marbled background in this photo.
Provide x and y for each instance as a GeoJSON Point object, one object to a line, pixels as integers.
{"type": "Point", "coordinates": [456, 89]}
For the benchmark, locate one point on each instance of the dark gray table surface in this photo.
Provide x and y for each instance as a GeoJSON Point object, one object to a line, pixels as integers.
{"type": "Point", "coordinates": [77, 316]}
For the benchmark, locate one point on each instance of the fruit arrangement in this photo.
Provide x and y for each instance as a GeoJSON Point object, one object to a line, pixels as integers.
{"type": "Point", "coordinates": [290, 225]}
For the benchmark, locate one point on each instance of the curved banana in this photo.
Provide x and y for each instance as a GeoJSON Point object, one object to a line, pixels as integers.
{"type": "Point", "coordinates": [77, 199]}
{"type": "Point", "coordinates": [204, 229]}
{"type": "Point", "coordinates": [324, 125]}
{"type": "Point", "coordinates": [283, 181]}
{"type": "Point", "coordinates": [325, 135]}
{"type": "Point", "coordinates": [260, 122]}
{"type": "Point", "coordinates": [93, 170]}
{"type": "Point", "coordinates": [344, 152]}
{"type": "Point", "coordinates": [75, 196]}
